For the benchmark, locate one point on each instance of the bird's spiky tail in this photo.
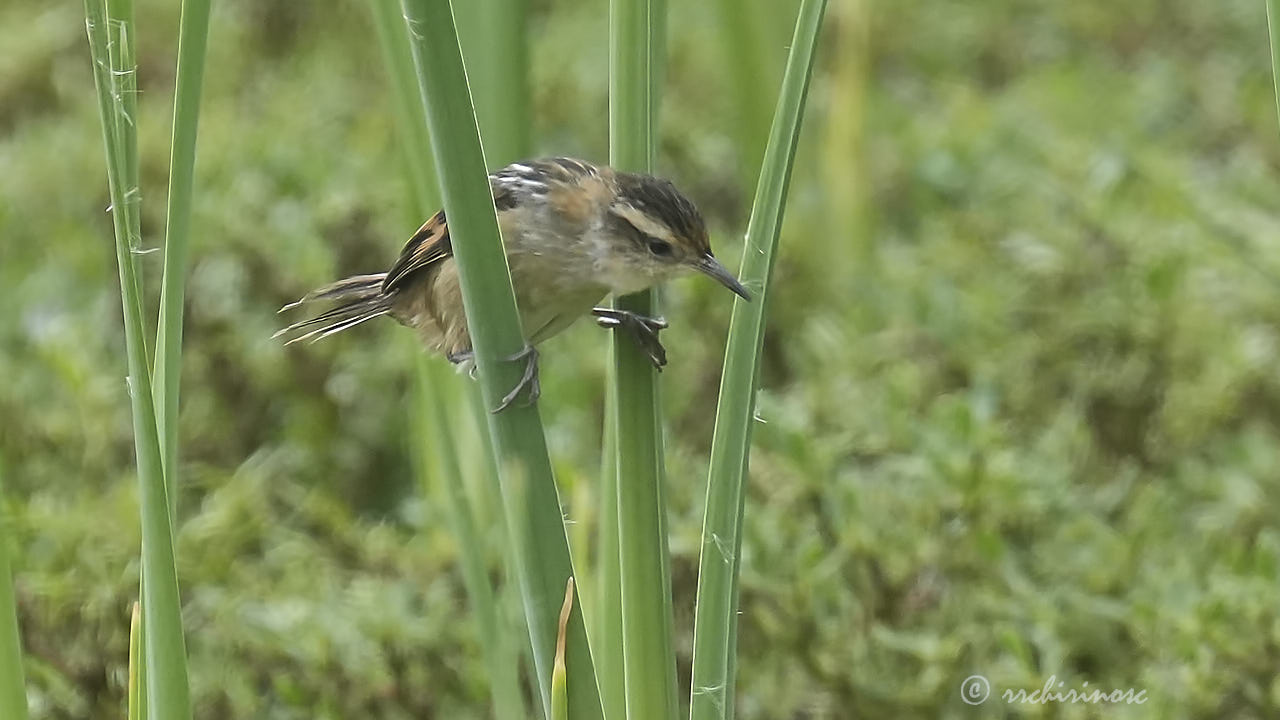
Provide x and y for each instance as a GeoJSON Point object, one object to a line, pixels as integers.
{"type": "Point", "coordinates": [358, 299]}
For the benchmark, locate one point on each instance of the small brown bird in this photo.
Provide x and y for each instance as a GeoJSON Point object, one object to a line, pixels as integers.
{"type": "Point", "coordinates": [573, 233]}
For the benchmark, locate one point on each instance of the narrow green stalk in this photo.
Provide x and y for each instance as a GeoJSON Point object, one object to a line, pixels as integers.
{"type": "Point", "coordinates": [193, 35]}
{"type": "Point", "coordinates": [434, 446]}
{"type": "Point", "coordinates": [411, 122]}
{"type": "Point", "coordinates": [540, 546]}
{"type": "Point", "coordinates": [122, 50]}
{"type": "Point", "coordinates": [167, 692]}
{"type": "Point", "coordinates": [495, 47]}
{"type": "Point", "coordinates": [501, 652]}
{"type": "Point", "coordinates": [1273, 29]}
{"type": "Point", "coordinates": [134, 709]}
{"type": "Point", "coordinates": [483, 470]}
{"type": "Point", "coordinates": [486, 497]}
{"type": "Point", "coordinates": [606, 606]}
{"type": "Point", "coordinates": [495, 50]}
{"type": "Point", "coordinates": [648, 656]}
{"type": "Point", "coordinates": [716, 616]}
{"type": "Point", "coordinates": [13, 693]}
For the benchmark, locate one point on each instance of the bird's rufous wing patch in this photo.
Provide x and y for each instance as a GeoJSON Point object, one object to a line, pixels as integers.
{"type": "Point", "coordinates": [429, 245]}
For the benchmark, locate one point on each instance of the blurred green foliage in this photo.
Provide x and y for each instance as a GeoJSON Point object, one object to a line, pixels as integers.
{"type": "Point", "coordinates": [1020, 416]}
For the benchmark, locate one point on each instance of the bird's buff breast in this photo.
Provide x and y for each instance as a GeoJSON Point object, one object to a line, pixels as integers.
{"type": "Point", "coordinates": [549, 294]}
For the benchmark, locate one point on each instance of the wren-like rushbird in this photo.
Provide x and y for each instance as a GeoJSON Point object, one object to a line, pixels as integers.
{"type": "Point", "coordinates": [573, 233]}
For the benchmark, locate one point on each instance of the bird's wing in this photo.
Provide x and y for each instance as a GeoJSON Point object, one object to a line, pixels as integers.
{"type": "Point", "coordinates": [427, 246]}
{"type": "Point", "coordinates": [517, 181]}
{"type": "Point", "coordinates": [511, 186]}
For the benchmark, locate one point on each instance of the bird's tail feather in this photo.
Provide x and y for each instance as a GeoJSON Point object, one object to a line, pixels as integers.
{"type": "Point", "coordinates": [358, 299]}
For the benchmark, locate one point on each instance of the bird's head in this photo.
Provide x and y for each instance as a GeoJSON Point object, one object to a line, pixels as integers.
{"type": "Point", "coordinates": [657, 233]}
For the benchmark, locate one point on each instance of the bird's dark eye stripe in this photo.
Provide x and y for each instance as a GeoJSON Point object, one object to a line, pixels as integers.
{"type": "Point", "coordinates": [658, 247]}
{"type": "Point", "coordinates": [655, 245]}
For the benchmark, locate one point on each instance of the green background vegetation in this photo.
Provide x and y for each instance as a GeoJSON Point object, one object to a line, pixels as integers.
{"type": "Point", "coordinates": [1020, 407]}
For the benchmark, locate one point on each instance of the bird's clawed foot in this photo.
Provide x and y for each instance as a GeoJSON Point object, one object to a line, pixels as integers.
{"type": "Point", "coordinates": [528, 381]}
{"type": "Point", "coordinates": [643, 329]}
{"type": "Point", "coordinates": [464, 361]}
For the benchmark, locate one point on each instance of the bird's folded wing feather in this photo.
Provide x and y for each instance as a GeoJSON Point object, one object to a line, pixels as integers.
{"type": "Point", "coordinates": [428, 245]}
{"type": "Point", "coordinates": [431, 242]}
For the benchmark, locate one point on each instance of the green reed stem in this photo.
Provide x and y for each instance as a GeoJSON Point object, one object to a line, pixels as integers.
{"type": "Point", "coordinates": [537, 535]}
{"type": "Point", "coordinates": [495, 47]}
{"type": "Point", "coordinates": [410, 118]}
{"type": "Point", "coordinates": [193, 35]}
{"type": "Point", "coordinates": [435, 446]}
{"type": "Point", "coordinates": [470, 459]}
{"type": "Point", "coordinates": [647, 627]}
{"type": "Point", "coordinates": [606, 606]}
{"type": "Point", "coordinates": [122, 51]}
{"type": "Point", "coordinates": [168, 695]}
{"type": "Point", "coordinates": [716, 615]}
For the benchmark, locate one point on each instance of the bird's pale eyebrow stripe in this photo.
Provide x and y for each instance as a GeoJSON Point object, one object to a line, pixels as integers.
{"type": "Point", "coordinates": [642, 222]}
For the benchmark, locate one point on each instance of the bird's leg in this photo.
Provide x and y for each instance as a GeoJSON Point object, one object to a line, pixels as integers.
{"type": "Point", "coordinates": [529, 380]}
{"type": "Point", "coordinates": [643, 329]}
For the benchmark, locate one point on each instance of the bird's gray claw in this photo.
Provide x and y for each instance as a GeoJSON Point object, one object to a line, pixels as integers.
{"type": "Point", "coordinates": [528, 381]}
{"type": "Point", "coordinates": [643, 329]}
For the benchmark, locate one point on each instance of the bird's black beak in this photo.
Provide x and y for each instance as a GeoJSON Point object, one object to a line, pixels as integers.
{"type": "Point", "coordinates": [708, 265]}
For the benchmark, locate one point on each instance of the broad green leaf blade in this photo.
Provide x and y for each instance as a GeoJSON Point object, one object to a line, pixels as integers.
{"type": "Point", "coordinates": [168, 695]}
{"type": "Point", "coordinates": [193, 34]}
{"type": "Point", "coordinates": [716, 614]}
{"type": "Point", "coordinates": [648, 656]}
{"type": "Point", "coordinates": [13, 693]}
{"type": "Point", "coordinates": [537, 534]}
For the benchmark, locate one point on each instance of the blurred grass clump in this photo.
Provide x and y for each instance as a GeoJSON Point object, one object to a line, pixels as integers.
{"type": "Point", "coordinates": [1020, 412]}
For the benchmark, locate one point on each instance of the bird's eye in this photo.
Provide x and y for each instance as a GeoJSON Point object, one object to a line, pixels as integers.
{"type": "Point", "coordinates": [661, 248]}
